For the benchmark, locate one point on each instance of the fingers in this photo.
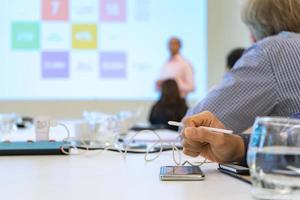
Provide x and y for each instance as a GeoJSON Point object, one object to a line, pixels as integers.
{"type": "Point", "coordinates": [190, 153]}
{"type": "Point", "coordinates": [205, 118]}
{"type": "Point", "coordinates": [202, 135]}
{"type": "Point", "coordinates": [198, 140]}
{"type": "Point", "coordinates": [188, 122]}
{"type": "Point", "coordinates": [187, 142]}
{"type": "Point", "coordinates": [201, 119]}
{"type": "Point", "coordinates": [195, 147]}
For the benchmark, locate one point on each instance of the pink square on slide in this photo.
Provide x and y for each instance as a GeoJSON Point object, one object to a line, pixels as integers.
{"type": "Point", "coordinates": [55, 9]}
{"type": "Point", "coordinates": [113, 10]}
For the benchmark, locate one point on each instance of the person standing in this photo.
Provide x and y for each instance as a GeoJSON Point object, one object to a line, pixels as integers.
{"type": "Point", "coordinates": [177, 68]}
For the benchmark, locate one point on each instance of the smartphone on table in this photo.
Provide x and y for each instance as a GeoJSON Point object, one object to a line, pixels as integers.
{"type": "Point", "coordinates": [181, 173]}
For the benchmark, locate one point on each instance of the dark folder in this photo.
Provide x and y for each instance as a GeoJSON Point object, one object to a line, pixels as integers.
{"type": "Point", "coordinates": [33, 148]}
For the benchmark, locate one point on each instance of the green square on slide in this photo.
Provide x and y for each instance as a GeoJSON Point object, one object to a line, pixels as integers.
{"type": "Point", "coordinates": [25, 35]}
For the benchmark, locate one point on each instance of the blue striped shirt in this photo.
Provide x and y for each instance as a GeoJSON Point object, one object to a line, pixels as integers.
{"type": "Point", "coordinates": [264, 82]}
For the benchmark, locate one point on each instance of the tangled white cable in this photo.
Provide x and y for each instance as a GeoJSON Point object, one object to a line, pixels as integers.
{"type": "Point", "coordinates": [160, 142]}
{"type": "Point", "coordinates": [71, 144]}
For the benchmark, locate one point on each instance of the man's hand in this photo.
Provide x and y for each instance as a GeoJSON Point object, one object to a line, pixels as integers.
{"type": "Point", "coordinates": [217, 147]}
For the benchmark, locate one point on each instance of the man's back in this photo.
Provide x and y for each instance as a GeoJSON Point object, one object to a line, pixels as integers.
{"type": "Point", "coordinates": [283, 52]}
{"type": "Point", "coordinates": [264, 82]}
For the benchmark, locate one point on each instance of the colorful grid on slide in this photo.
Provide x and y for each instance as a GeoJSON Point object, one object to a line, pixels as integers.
{"type": "Point", "coordinates": [67, 27]}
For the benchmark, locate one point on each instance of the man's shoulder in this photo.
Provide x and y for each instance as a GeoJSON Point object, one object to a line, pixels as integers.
{"type": "Point", "coordinates": [183, 60]}
{"type": "Point", "coordinates": [278, 41]}
{"type": "Point", "coordinates": [273, 46]}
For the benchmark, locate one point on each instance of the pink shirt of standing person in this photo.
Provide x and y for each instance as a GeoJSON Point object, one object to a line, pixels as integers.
{"type": "Point", "coordinates": [177, 68]}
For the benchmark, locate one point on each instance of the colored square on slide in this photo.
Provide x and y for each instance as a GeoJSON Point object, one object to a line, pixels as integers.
{"type": "Point", "coordinates": [55, 9]}
{"type": "Point", "coordinates": [113, 10]}
{"type": "Point", "coordinates": [113, 64]}
{"type": "Point", "coordinates": [25, 35]}
{"type": "Point", "coordinates": [84, 36]}
{"type": "Point", "coordinates": [55, 65]}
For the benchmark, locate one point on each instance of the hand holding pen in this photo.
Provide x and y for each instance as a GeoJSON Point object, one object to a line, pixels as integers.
{"type": "Point", "coordinates": [205, 135]}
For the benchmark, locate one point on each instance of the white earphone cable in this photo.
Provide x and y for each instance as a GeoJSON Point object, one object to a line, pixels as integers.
{"type": "Point", "coordinates": [124, 151]}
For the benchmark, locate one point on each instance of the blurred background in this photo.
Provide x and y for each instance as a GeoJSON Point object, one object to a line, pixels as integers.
{"type": "Point", "coordinates": [62, 57]}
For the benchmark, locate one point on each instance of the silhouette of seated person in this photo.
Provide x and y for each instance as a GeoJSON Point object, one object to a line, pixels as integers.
{"type": "Point", "coordinates": [170, 107]}
{"type": "Point", "coordinates": [233, 57]}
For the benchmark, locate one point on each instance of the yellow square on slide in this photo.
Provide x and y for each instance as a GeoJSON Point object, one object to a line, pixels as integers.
{"type": "Point", "coordinates": [84, 36]}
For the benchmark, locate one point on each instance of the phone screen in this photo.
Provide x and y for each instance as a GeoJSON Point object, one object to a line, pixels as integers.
{"type": "Point", "coordinates": [181, 173]}
{"type": "Point", "coordinates": [181, 170]}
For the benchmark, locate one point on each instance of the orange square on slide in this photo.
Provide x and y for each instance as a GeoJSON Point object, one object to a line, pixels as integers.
{"type": "Point", "coordinates": [55, 9]}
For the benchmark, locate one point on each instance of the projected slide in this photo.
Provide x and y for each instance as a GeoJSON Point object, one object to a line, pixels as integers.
{"type": "Point", "coordinates": [95, 49]}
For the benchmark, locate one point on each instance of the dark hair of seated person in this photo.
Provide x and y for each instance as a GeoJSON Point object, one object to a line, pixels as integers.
{"type": "Point", "coordinates": [169, 107]}
{"type": "Point", "coordinates": [233, 57]}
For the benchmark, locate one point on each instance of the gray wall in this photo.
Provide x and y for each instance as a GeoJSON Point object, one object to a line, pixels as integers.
{"type": "Point", "coordinates": [225, 32]}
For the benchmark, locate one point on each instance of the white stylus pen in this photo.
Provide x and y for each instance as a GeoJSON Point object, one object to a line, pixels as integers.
{"type": "Point", "coordinates": [172, 123]}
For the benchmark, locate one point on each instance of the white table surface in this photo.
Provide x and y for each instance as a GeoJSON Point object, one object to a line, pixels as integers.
{"type": "Point", "coordinates": [107, 176]}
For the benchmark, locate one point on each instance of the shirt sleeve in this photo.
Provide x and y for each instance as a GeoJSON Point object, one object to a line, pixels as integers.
{"type": "Point", "coordinates": [247, 91]}
{"type": "Point", "coordinates": [246, 140]}
{"type": "Point", "coordinates": [187, 83]}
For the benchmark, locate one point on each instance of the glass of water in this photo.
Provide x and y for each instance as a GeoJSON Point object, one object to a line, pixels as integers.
{"type": "Point", "coordinates": [274, 158]}
{"type": "Point", "coordinates": [102, 128]}
{"type": "Point", "coordinates": [7, 125]}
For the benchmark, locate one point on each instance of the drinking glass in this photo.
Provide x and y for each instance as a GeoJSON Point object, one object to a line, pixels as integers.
{"type": "Point", "coordinates": [274, 158]}
{"type": "Point", "coordinates": [102, 128]}
{"type": "Point", "coordinates": [7, 125]}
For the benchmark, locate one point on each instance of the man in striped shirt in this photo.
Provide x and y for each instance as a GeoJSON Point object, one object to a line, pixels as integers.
{"type": "Point", "coordinates": [264, 82]}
